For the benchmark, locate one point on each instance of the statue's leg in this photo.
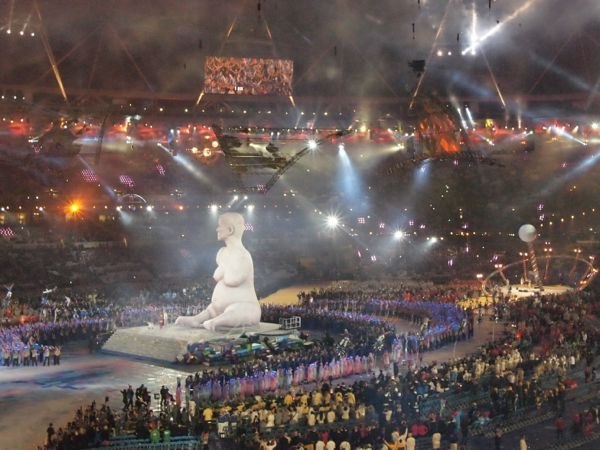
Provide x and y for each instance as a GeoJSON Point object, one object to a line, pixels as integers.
{"type": "Point", "coordinates": [197, 320]}
{"type": "Point", "coordinates": [235, 315]}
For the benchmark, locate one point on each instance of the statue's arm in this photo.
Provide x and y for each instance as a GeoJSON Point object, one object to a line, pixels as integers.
{"type": "Point", "coordinates": [237, 270]}
{"type": "Point", "coordinates": [219, 272]}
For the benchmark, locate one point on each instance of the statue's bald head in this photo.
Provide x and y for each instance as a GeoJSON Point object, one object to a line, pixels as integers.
{"type": "Point", "coordinates": [230, 224]}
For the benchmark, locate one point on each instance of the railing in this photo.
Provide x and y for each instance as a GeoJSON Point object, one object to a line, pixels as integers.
{"type": "Point", "coordinates": [290, 323]}
{"type": "Point", "coordinates": [175, 443]}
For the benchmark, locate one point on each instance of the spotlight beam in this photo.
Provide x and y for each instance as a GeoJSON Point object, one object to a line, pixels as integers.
{"type": "Point", "coordinates": [437, 35]}
{"type": "Point", "coordinates": [551, 63]}
{"type": "Point", "coordinates": [49, 52]}
{"type": "Point", "coordinates": [10, 14]}
{"type": "Point", "coordinates": [374, 67]}
{"type": "Point", "coordinates": [497, 27]}
{"type": "Point", "coordinates": [493, 77]}
{"type": "Point", "coordinates": [592, 95]}
{"type": "Point", "coordinates": [584, 165]}
{"type": "Point", "coordinates": [474, 29]}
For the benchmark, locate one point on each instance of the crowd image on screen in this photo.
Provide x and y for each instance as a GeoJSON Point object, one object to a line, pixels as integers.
{"type": "Point", "coordinates": [248, 76]}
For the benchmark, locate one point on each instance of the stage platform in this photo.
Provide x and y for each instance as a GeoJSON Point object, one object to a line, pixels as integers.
{"type": "Point", "coordinates": [522, 290]}
{"type": "Point", "coordinates": [163, 345]}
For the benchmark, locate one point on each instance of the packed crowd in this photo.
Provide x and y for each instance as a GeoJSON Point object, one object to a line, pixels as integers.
{"type": "Point", "coordinates": [434, 309]}
{"type": "Point", "coordinates": [363, 335]}
{"type": "Point", "coordinates": [391, 290]}
{"type": "Point", "coordinates": [271, 400]}
{"type": "Point", "coordinates": [32, 330]}
{"type": "Point", "coordinates": [30, 344]}
{"type": "Point", "coordinates": [277, 373]}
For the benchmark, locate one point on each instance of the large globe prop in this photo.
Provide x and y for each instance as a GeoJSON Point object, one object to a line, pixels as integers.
{"type": "Point", "coordinates": [527, 233]}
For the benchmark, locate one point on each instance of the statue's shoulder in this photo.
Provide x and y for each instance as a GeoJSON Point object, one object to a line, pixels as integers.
{"type": "Point", "coordinates": [238, 251]}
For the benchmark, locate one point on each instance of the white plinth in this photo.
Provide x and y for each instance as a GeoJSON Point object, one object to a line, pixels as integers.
{"type": "Point", "coordinates": [165, 344]}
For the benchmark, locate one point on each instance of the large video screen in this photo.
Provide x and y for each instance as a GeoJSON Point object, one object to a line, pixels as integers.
{"type": "Point", "coordinates": [248, 76]}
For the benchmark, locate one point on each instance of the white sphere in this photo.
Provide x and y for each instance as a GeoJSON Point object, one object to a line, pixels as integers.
{"type": "Point", "coordinates": [527, 233]}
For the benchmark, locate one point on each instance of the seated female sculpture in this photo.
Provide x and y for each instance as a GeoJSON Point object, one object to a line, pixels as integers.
{"type": "Point", "coordinates": [234, 302]}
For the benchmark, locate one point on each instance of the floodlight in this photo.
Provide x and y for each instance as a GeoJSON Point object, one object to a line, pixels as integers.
{"type": "Point", "coordinates": [398, 234]}
{"type": "Point", "coordinates": [332, 222]}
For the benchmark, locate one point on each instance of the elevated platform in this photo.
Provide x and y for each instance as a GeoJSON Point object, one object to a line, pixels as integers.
{"type": "Point", "coordinates": [164, 345]}
{"type": "Point", "coordinates": [523, 290]}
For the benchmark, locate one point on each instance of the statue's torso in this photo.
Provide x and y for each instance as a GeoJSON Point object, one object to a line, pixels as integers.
{"type": "Point", "coordinates": [237, 259]}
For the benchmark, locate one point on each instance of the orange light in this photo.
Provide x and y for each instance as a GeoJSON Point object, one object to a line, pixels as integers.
{"type": "Point", "coordinates": [74, 208]}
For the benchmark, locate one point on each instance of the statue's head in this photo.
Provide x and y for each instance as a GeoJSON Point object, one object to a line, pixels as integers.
{"type": "Point", "coordinates": [230, 224]}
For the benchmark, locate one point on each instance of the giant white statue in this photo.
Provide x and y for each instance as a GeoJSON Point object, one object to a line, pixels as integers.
{"type": "Point", "coordinates": [234, 302]}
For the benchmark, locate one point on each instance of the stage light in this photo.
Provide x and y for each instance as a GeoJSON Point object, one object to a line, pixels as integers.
{"type": "Point", "coordinates": [312, 144]}
{"type": "Point", "coordinates": [595, 126]}
{"type": "Point", "coordinates": [440, 53]}
{"type": "Point", "coordinates": [74, 208]}
{"type": "Point", "coordinates": [433, 240]}
{"type": "Point", "coordinates": [398, 235]}
{"type": "Point", "coordinates": [341, 147]}
{"type": "Point", "coordinates": [149, 208]}
{"type": "Point", "coordinates": [215, 144]}
{"type": "Point", "coordinates": [332, 222]}
{"type": "Point", "coordinates": [250, 208]}
{"type": "Point", "coordinates": [214, 207]}
{"type": "Point", "coordinates": [363, 128]}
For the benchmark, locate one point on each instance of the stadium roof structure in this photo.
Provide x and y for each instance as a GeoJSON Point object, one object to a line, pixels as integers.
{"type": "Point", "coordinates": [342, 50]}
